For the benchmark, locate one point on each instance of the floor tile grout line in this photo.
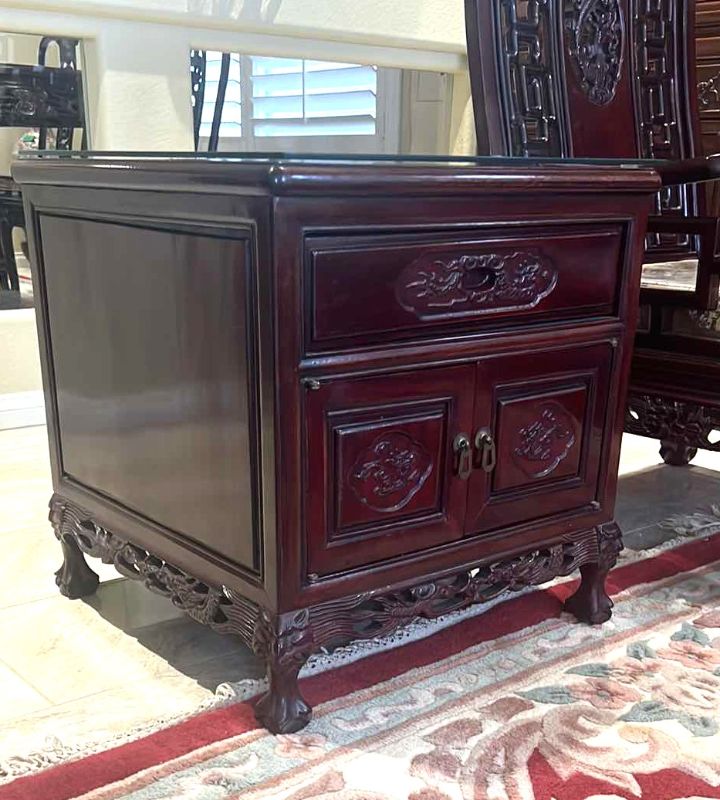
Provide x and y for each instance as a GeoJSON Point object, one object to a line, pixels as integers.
{"type": "Point", "coordinates": [76, 700]}
{"type": "Point", "coordinates": [24, 680]}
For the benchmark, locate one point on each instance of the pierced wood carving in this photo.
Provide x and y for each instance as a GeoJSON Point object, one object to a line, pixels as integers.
{"type": "Point", "coordinates": [530, 77]}
{"type": "Point", "coordinates": [659, 102]}
{"type": "Point", "coordinates": [40, 96]}
{"type": "Point", "coordinates": [389, 473]}
{"type": "Point", "coordinates": [476, 283]}
{"type": "Point", "coordinates": [286, 640]}
{"type": "Point", "coordinates": [544, 443]}
{"type": "Point", "coordinates": [198, 67]}
{"type": "Point", "coordinates": [218, 608]}
{"type": "Point", "coordinates": [671, 421]}
{"type": "Point", "coordinates": [595, 38]}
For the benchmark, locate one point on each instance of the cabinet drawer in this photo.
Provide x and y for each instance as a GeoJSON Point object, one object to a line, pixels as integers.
{"type": "Point", "coordinates": [380, 476]}
{"type": "Point", "coordinates": [369, 289]}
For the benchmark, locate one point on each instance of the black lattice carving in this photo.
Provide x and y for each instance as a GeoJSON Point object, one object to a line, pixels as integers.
{"type": "Point", "coordinates": [658, 104]}
{"type": "Point", "coordinates": [530, 77]}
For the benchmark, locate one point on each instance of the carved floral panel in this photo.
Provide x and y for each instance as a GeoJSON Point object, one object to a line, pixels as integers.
{"type": "Point", "coordinates": [544, 443]}
{"type": "Point", "coordinates": [709, 93]}
{"type": "Point", "coordinates": [390, 472]}
{"type": "Point", "coordinates": [595, 30]}
{"type": "Point", "coordinates": [476, 283]}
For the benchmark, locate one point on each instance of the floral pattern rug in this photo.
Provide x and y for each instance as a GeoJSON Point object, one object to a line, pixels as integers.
{"type": "Point", "coordinates": [554, 711]}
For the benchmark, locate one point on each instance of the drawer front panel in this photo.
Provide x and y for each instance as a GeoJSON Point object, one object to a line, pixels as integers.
{"type": "Point", "coordinates": [380, 466]}
{"type": "Point", "coordinates": [364, 289]}
{"type": "Point", "coordinates": [547, 415]}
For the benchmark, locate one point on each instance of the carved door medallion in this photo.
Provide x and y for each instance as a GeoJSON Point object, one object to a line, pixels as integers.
{"type": "Point", "coordinates": [389, 473]}
{"type": "Point", "coordinates": [595, 31]}
{"type": "Point", "coordinates": [546, 441]}
{"type": "Point", "coordinates": [539, 435]}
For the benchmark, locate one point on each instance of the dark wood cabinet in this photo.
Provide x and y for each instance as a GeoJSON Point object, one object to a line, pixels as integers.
{"type": "Point", "coordinates": [310, 401]}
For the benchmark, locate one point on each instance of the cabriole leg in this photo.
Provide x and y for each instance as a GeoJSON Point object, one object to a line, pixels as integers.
{"type": "Point", "coordinates": [285, 642]}
{"type": "Point", "coordinates": [75, 579]}
{"type": "Point", "coordinates": [676, 454]}
{"type": "Point", "coordinates": [591, 602]}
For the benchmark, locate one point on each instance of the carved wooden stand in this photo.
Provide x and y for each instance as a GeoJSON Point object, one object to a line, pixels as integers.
{"type": "Point", "coordinates": [285, 641]}
{"type": "Point", "coordinates": [682, 428]}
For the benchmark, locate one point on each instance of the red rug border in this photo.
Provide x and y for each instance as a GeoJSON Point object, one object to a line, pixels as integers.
{"type": "Point", "coordinates": [74, 778]}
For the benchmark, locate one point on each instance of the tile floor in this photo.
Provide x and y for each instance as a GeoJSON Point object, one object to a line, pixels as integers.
{"type": "Point", "coordinates": [83, 671]}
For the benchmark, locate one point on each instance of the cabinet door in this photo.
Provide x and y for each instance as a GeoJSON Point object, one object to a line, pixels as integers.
{"type": "Point", "coordinates": [385, 472]}
{"type": "Point", "coordinates": [538, 435]}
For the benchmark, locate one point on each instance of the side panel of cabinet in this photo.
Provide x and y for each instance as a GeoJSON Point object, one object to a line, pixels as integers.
{"type": "Point", "coordinates": [380, 467]}
{"type": "Point", "coordinates": [151, 339]}
{"type": "Point", "coordinates": [546, 414]}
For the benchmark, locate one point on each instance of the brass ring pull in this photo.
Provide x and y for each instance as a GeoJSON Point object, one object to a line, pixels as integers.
{"type": "Point", "coordinates": [485, 446]}
{"type": "Point", "coordinates": [463, 450]}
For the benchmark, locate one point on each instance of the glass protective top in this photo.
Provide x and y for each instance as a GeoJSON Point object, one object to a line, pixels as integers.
{"type": "Point", "coordinates": [340, 158]}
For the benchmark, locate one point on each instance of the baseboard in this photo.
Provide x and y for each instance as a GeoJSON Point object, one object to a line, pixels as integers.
{"type": "Point", "coordinates": [21, 410]}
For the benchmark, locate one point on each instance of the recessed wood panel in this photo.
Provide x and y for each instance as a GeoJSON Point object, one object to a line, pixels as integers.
{"type": "Point", "coordinates": [381, 477]}
{"type": "Point", "coordinates": [388, 468]}
{"type": "Point", "coordinates": [547, 414]}
{"type": "Point", "coordinates": [541, 436]}
{"type": "Point", "coordinates": [152, 342]}
{"type": "Point", "coordinates": [381, 288]}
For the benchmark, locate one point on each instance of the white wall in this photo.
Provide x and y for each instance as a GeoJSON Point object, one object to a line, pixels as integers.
{"type": "Point", "coordinates": [136, 51]}
{"type": "Point", "coordinates": [435, 25]}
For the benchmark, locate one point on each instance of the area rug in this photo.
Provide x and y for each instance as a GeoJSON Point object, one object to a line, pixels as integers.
{"type": "Point", "coordinates": [520, 703]}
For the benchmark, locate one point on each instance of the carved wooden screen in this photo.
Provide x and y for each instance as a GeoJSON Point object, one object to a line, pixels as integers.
{"type": "Point", "coordinates": [587, 78]}
{"type": "Point", "coordinates": [707, 42]}
{"type": "Point", "coordinates": [45, 97]}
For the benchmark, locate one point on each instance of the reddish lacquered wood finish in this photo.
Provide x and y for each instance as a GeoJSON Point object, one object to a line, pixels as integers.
{"type": "Point", "coordinates": [644, 82]}
{"type": "Point", "coordinates": [310, 402]}
{"type": "Point", "coordinates": [381, 288]}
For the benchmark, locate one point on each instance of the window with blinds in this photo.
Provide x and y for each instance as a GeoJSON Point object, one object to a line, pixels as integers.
{"type": "Point", "coordinates": [298, 97]}
{"type": "Point", "coordinates": [272, 103]}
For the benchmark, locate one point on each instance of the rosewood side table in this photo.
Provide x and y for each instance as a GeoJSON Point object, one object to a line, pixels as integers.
{"type": "Point", "coordinates": [310, 400]}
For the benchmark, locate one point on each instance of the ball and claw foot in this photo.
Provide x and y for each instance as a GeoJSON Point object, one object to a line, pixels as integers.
{"type": "Point", "coordinates": [282, 708]}
{"type": "Point", "coordinates": [75, 579]}
{"type": "Point", "coordinates": [591, 603]}
{"type": "Point", "coordinates": [676, 454]}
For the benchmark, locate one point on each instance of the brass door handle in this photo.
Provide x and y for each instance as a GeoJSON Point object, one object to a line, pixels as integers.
{"type": "Point", "coordinates": [485, 447]}
{"type": "Point", "coordinates": [463, 452]}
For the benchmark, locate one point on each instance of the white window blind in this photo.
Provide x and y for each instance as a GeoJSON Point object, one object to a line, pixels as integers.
{"type": "Point", "coordinates": [297, 97]}
{"type": "Point", "coordinates": [281, 103]}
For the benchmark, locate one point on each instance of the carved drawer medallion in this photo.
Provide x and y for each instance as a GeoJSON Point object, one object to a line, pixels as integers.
{"type": "Point", "coordinates": [542, 444]}
{"type": "Point", "coordinates": [476, 283]}
{"type": "Point", "coordinates": [595, 40]}
{"type": "Point", "coordinates": [389, 473]}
